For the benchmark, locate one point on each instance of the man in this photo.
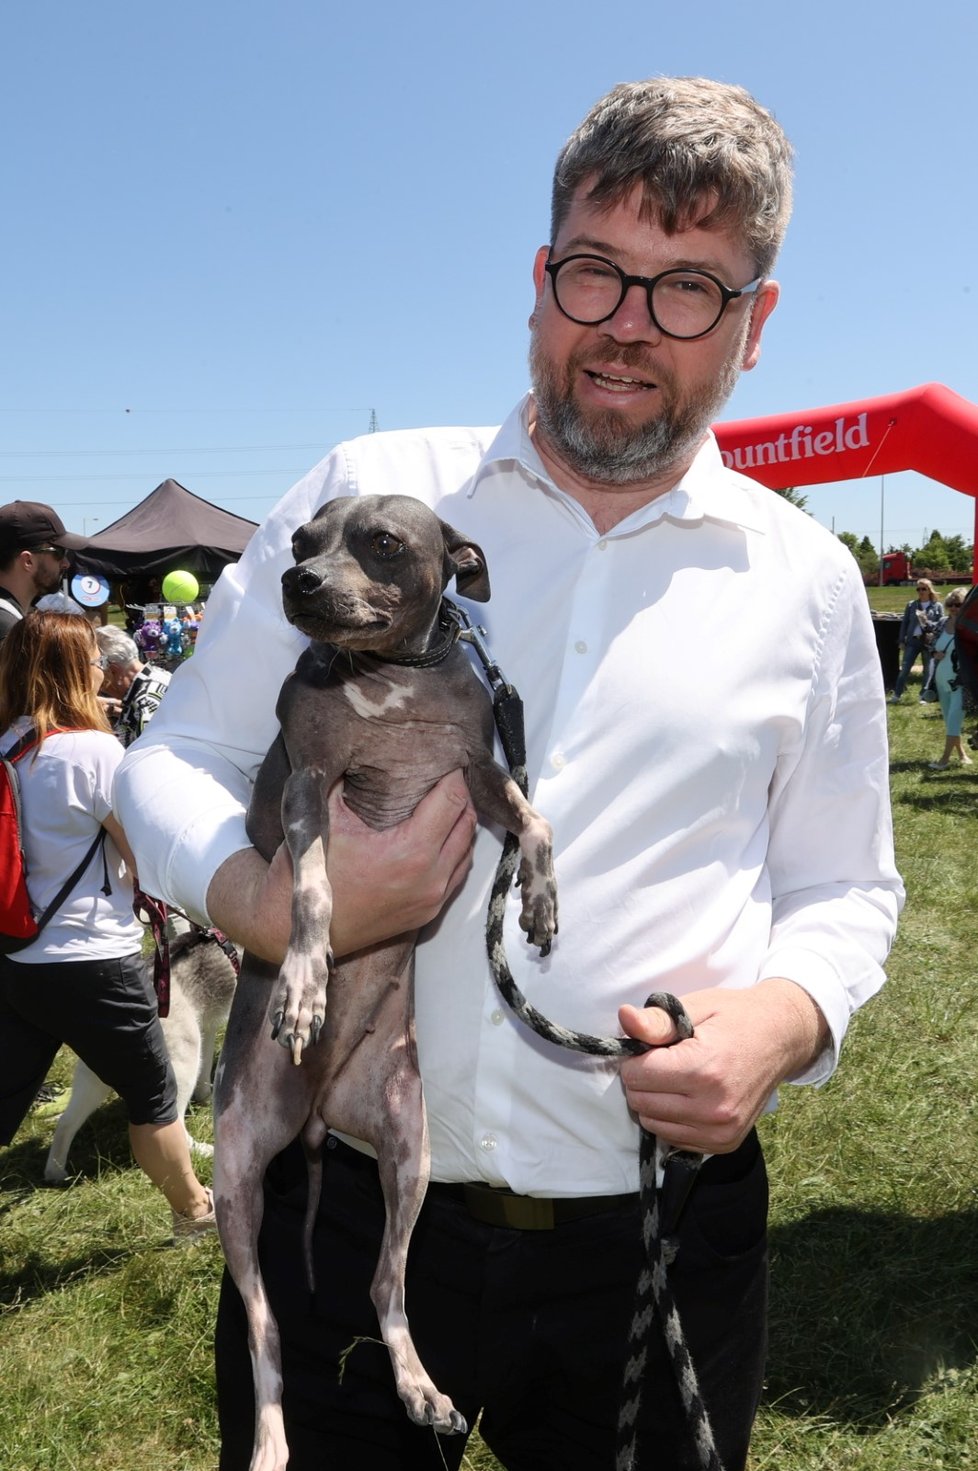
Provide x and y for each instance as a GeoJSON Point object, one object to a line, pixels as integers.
{"type": "Point", "coordinates": [133, 688]}
{"type": "Point", "coordinates": [730, 842]}
{"type": "Point", "coordinates": [34, 548]}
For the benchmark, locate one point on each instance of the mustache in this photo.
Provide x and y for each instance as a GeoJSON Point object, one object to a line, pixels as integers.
{"type": "Point", "coordinates": [634, 356]}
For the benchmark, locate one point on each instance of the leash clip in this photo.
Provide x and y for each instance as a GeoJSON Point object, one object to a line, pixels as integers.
{"type": "Point", "coordinates": [472, 633]}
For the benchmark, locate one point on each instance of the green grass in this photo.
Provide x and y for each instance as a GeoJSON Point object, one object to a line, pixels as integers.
{"type": "Point", "coordinates": [105, 1353]}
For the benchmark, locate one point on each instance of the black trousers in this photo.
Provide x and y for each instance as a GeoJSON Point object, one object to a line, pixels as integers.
{"type": "Point", "coordinates": [527, 1327]}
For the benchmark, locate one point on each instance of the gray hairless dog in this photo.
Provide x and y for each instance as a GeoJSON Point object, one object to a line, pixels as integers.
{"type": "Point", "coordinates": [385, 700]}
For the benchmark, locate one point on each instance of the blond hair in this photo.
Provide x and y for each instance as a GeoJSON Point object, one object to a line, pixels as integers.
{"type": "Point", "coordinates": [46, 674]}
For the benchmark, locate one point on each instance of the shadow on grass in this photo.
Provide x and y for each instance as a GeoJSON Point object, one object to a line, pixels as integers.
{"type": "Point", "coordinates": [866, 1307]}
{"type": "Point", "coordinates": [942, 795]}
{"type": "Point", "coordinates": [101, 1144]}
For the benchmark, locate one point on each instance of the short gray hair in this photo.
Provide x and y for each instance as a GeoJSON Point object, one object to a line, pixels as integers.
{"type": "Point", "coordinates": [688, 142]}
{"type": "Point", "coordinates": [116, 646]}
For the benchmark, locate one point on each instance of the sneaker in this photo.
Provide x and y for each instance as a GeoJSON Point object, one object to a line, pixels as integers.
{"type": "Point", "coordinates": [187, 1230]}
{"type": "Point", "coordinates": [938, 765]}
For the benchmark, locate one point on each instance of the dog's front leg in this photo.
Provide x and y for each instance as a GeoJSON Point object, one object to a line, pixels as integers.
{"type": "Point", "coordinates": [301, 1004]}
{"type": "Point", "coordinates": [496, 796]}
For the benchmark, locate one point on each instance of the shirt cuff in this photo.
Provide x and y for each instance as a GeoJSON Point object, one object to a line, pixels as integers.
{"type": "Point", "coordinates": [819, 979]}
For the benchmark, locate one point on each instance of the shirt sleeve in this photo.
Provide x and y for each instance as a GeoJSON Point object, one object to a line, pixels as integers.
{"type": "Point", "coordinates": [836, 892]}
{"type": "Point", "coordinates": [183, 789]}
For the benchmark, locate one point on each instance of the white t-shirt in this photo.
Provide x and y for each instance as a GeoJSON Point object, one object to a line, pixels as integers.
{"type": "Point", "coordinates": [66, 793]}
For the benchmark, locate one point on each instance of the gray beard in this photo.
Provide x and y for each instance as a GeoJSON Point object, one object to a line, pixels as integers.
{"type": "Point", "coordinates": [602, 448]}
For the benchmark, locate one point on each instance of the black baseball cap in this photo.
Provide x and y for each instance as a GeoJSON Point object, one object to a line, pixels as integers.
{"type": "Point", "coordinates": [25, 524]}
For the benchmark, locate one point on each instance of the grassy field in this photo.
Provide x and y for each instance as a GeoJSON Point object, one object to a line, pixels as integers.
{"type": "Point", "coordinates": [105, 1332]}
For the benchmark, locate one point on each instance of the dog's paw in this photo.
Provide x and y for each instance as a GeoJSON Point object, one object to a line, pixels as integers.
{"type": "Point", "coordinates": [300, 1008]}
{"type": "Point", "coordinates": [538, 918]}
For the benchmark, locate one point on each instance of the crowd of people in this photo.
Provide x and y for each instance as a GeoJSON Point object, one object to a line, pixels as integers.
{"type": "Point", "coordinates": [609, 522]}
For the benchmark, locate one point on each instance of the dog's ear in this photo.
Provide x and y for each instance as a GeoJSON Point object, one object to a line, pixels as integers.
{"type": "Point", "coordinates": [466, 563]}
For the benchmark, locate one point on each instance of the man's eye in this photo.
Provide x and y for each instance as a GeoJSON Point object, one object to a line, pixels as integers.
{"type": "Point", "coordinates": [386, 545]}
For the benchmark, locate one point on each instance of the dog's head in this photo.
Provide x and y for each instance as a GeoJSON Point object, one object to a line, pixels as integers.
{"type": "Point", "coordinates": [370, 572]}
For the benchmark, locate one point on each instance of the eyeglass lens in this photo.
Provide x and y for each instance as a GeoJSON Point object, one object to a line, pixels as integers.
{"type": "Point", "coordinates": [683, 303]}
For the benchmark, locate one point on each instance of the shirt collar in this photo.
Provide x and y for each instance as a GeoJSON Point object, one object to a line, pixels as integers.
{"type": "Point", "coordinates": [707, 492]}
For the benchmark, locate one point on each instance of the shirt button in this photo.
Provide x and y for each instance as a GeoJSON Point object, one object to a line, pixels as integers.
{"type": "Point", "coordinates": [497, 1017]}
{"type": "Point", "coordinates": [580, 647]}
{"type": "Point", "coordinates": [602, 545]}
{"type": "Point", "coordinates": [487, 1142]}
{"type": "Point", "coordinates": [558, 761]}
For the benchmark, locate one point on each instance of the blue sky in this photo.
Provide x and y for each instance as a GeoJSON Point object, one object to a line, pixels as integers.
{"type": "Point", "coordinates": [233, 231]}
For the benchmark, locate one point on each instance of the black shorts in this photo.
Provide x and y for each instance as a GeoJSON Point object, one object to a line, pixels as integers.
{"type": "Point", "coordinates": [106, 1011]}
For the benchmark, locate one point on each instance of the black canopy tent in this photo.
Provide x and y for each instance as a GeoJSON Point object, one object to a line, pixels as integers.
{"type": "Point", "coordinates": [171, 529]}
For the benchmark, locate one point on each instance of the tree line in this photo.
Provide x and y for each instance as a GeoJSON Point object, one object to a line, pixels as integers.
{"type": "Point", "coordinates": [939, 553]}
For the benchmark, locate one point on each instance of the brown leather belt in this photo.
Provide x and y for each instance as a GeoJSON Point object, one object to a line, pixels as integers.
{"type": "Point", "coordinates": [498, 1207]}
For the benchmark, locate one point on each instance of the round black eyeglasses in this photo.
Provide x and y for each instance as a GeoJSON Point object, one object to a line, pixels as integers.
{"type": "Point", "coordinates": [589, 289]}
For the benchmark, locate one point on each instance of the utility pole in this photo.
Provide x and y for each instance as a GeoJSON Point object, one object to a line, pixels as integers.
{"type": "Point", "coordinates": [373, 422]}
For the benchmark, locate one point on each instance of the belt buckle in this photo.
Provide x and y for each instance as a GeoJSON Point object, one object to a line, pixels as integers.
{"type": "Point", "coordinates": [503, 1208]}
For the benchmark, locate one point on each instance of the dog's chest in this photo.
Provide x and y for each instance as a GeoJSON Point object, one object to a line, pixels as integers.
{"type": "Point", "coordinates": [396, 734]}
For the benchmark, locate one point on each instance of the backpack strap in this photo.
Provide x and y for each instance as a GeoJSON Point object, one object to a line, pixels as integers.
{"type": "Point", "coordinates": [70, 883]}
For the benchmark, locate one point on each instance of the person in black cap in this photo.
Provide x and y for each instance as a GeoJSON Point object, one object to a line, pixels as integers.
{"type": "Point", "coordinates": [34, 547]}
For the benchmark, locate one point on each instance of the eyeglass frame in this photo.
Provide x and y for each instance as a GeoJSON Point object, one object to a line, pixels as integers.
{"type": "Point", "coordinates": [102, 662]}
{"type": "Point", "coordinates": [60, 552]}
{"type": "Point", "coordinates": [649, 283]}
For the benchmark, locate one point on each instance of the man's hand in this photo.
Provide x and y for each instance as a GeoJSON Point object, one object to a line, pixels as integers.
{"type": "Point", "coordinates": [706, 1093]}
{"type": "Point", "coordinates": [384, 883]}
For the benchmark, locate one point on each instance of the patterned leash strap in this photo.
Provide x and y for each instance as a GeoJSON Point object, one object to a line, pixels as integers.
{"type": "Point", "coordinates": [155, 913]}
{"type": "Point", "coordinates": [666, 1175]}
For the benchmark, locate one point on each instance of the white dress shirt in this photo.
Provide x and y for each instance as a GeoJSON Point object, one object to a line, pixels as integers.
{"type": "Point", "coordinates": [706, 734]}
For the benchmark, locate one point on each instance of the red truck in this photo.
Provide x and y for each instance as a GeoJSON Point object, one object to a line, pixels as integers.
{"type": "Point", "coordinates": [898, 572]}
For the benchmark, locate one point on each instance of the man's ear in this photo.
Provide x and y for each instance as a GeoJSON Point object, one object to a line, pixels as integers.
{"type": "Point", "coordinates": [466, 563]}
{"type": "Point", "coordinates": [539, 281]}
{"type": "Point", "coordinates": [764, 303]}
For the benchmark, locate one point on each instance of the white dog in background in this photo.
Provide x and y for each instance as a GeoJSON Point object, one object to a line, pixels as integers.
{"type": "Point", "coordinates": [202, 981]}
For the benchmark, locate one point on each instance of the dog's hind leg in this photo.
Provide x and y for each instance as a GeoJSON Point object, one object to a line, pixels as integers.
{"type": "Point", "coordinates": [247, 1138]}
{"type": "Point", "coordinates": [87, 1093]}
{"type": "Point", "coordinates": [402, 1159]}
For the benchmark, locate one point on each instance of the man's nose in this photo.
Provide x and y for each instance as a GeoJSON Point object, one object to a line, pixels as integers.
{"type": "Point", "coordinates": [633, 321]}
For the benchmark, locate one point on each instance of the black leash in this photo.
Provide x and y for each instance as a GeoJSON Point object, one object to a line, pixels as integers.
{"type": "Point", "coordinates": [666, 1175]}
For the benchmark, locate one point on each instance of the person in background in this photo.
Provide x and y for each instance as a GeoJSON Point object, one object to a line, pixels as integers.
{"type": "Point", "coordinates": [83, 980]}
{"type": "Point", "coordinates": [949, 691]}
{"type": "Point", "coordinates": [134, 686]}
{"type": "Point", "coordinates": [750, 872]}
{"type": "Point", "coordinates": [34, 547]}
{"type": "Point", "coordinates": [922, 620]}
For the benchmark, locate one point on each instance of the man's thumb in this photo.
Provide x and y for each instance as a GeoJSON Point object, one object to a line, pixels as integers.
{"type": "Point", "coordinates": [647, 1024]}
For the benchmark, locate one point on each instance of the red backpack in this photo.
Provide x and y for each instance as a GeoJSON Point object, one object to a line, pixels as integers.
{"type": "Point", "coordinates": [19, 924]}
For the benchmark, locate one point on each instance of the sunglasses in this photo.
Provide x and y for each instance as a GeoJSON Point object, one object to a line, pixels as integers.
{"type": "Point", "coordinates": [60, 552]}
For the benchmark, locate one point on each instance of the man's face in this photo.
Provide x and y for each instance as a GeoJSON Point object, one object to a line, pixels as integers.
{"type": "Point", "coordinates": [620, 403]}
{"type": "Point", "coordinates": [48, 569]}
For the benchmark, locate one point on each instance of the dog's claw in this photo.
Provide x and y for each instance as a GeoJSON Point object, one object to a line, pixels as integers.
{"type": "Point", "coordinates": [296, 1045]}
{"type": "Point", "coordinates": [277, 1021]}
{"type": "Point", "coordinates": [459, 1424]}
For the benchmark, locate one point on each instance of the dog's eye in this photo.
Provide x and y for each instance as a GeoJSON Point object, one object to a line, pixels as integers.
{"type": "Point", "coordinates": [386, 545]}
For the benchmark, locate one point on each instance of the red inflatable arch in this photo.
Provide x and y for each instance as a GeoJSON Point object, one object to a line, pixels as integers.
{"type": "Point", "coordinates": [928, 429]}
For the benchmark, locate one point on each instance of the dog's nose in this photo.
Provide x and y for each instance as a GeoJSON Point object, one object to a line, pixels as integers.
{"type": "Point", "coordinates": [301, 581]}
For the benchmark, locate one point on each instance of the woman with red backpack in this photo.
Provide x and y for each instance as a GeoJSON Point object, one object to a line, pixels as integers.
{"type": "Point", "coordinates": [81, 979]}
